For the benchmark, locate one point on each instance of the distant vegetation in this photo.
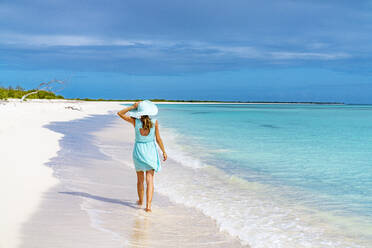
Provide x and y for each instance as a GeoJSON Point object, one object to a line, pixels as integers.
{"type": "Point", "coordinates": [18, 92]}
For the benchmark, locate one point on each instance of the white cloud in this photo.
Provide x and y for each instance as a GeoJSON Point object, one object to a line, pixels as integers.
{"type": "Point", "coordinates": [250, 52]}
{"type": "Point", "coordinates": [159, 47]}
{"type": "Point", "coordinates": [307, 55]}
{"type": "Point", "coordinates": [239, 51]}
{"type": "Point", "coordinates": [63, 40]}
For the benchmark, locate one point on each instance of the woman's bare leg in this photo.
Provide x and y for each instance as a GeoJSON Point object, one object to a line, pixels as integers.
{"type": "Point", "coordinates": [150, 189]}
{"type": "Point", "coordinates": [140, 188]}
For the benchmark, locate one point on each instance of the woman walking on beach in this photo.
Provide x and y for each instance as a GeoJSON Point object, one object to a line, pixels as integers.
{"type": "Point", "coordinates": [145, 153]}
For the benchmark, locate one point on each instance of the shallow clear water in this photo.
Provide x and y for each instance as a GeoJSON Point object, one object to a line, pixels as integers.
{"type": "Point", "coordinates": [306, 168]}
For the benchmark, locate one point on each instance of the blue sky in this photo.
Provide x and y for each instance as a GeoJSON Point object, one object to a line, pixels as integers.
{"type": "Point", "coordinates": [265, 50]}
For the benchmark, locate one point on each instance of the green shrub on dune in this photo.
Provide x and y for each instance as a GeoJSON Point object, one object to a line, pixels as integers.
{"type": "Point", "coordinates": [18, 92]}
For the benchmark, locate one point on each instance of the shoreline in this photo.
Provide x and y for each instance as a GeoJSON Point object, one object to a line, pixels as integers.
{"type": "Point", "coordinates": [24, 176]}
{"type": "Point", "coordinates": [97, 194]}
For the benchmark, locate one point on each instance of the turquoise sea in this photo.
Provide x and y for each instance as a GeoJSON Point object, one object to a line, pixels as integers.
{"type": "Point", "coordinates": [275, 175]}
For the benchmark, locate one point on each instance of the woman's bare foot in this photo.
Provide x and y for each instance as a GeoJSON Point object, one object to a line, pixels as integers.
{"type": "Point", "coordinates": [139, 203]}
{"type": "Point", "coordinates": [148, 209]}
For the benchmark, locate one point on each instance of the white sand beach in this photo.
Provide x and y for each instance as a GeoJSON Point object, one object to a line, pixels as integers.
{"type": "Point", "coordinates": [25, 145]}
{"type": "Point", "coordinates": [61, 188]}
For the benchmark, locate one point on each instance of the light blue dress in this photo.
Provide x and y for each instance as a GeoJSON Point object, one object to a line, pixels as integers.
{"type": "Point", "coordinates": [145, 152]}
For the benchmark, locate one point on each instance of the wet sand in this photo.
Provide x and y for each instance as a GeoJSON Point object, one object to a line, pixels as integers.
{"type": "Point", "coordinates": [93, 204]}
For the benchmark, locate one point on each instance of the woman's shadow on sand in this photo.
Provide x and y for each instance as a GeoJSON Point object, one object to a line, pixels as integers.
{"type": "Point", "coordinates": [100, 198]}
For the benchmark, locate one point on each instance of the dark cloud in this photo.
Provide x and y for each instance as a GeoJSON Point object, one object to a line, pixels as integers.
{"type": "Point", "coordinates": [174, 37]}
{"type": "Point", "coordinates": [182, 36]}
{"type": "Point", "coordinates": [254, 22]}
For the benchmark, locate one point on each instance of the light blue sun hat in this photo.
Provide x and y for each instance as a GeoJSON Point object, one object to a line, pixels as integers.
{"type": "Point", "coordinates": [145, 107]}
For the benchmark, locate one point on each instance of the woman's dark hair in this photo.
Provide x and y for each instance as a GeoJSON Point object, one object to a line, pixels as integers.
{"type": "Point", "coordinates": [146, 122]}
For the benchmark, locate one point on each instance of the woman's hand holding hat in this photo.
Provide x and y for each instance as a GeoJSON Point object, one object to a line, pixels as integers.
{"type": "Point", "coordinates": [144, 107]}
{"type": "Point", "coordinates": [135, 105]}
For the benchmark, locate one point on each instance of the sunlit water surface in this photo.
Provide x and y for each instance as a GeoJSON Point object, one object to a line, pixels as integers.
{"type": "Point", "coordinates": [275, 175]}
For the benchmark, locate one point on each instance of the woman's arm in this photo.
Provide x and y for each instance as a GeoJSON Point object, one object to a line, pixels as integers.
{"type": "Point", "coordinates": [127, 118]}
{"type": "Point", "coordinates": [159, 140]}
